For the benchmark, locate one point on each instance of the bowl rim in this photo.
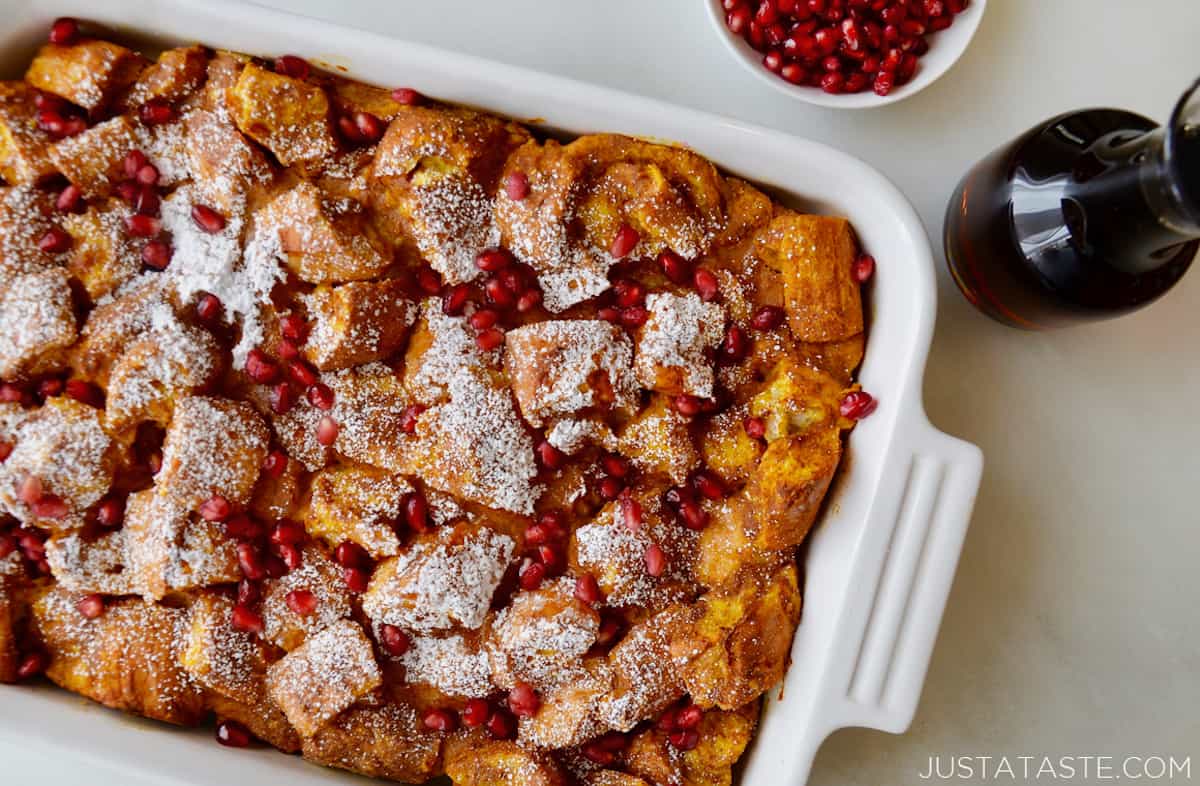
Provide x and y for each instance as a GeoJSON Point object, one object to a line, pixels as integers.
{"type": "Point", "coordinates": [968, 21]}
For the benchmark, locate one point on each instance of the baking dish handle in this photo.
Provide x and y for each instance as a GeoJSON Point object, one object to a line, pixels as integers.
{"type": "Point", "coordinates": [917, 570]}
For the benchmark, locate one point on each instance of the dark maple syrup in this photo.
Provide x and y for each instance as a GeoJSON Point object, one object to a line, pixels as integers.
{"type": "Point", "coordinates": [1088, 216]}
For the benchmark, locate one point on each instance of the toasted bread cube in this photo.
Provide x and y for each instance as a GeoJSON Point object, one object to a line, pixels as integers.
{"type": "Point", "coordinates": [113, 325]}
{"type": "Point", "coordinates": [103, 255]}
{"type": "Point", "coordinates": [645, 679]}
{"type": "Point", "coordinates": [350, 97]}
{"type": "Point", "coordinates": [38, 320]}
{"type": "Point", "coordinates": [445, 580]}
{"type": "Point", "coordinates": [323, 677]}
{"type": "Point", "coordinates": [223, 164]}
{"type": "Point", "coordinates": [95, 159]}
{"type": "Point", "coordinates": [568, 713]}
{"type": "Point", "coordinates": [746, 210]}
{"type": "Point", "coordinates": [477, 760]}
{"type": "Point", "coordinates": [173, 77]}
{"type": "Point", "coordinates": [838, 359]}
{"type": "Point", "coordinates": [170, 549]}
{"type": "Point", "coordinates": [723, 739]}
{"type": "Point", "coordinates": [357, 322]}
{"type": "Point", "coordinates": [10, 655]}
{"type": "Point", "coordinates": [323, 246]}
{"type": "Point", "coordinates": [562, 367]}
{"type": "Point", "coordinates": [673, 345]}
{"type": "Point", "coordinates": [734, 643]}
{"type": "Point", "coordinates": [213, 446]}
{"type": "Point", "coordinates": [223, 71]}
{"type": "Point", "coordinates": [811, 258]}
{"type": "Point", "coordinates": [795, 400]}
{"type": "Point", "coordinates": [65, 446]}
{"type": "Point", "coordinates": [380, 742]}
{"type": "Point", "coordinates": [455, 665]}
{"type": "Point", "coordinates": [727, 449]}
{"type": "Point", "coordinates": [474, 446]}
{"type": "Point", "coordinates": [91, 564]}
{"type": "Point", "coordinates": [440, 345]}
{"type": "Point", "coordinates": [651, 757]}
{"type": "Point", "coordinates": [359, 504]}
{"type": "Point", "coordinates": [436, 171]}
{"type": "Point", "coordinates": [263, 718]}
{"type": "Point", "coordinates": [25, 216]}
{"type": "Point", "coordinates": [225, 661]}
{"type": "Point", "coordinates": [540, 637]}
{"type": "Point", "coordinates": [727, 544]}
{"type": "Point", "coordinates": [124, 659]}
{"type": "Point", "coordinates": [287, 116]}
{"type": "Point", "coordinates": [318, 575]}
{"type": "Point", "coordinates": [89, 74]}
{"type": "Point", "coordinates": [790, 484]}
{"type": "Point", "coordinates": [659, 442]}
{"type": "Point", "coordinates": [276, 496]}
{"type": "Point", "coordinates": [24, 147]}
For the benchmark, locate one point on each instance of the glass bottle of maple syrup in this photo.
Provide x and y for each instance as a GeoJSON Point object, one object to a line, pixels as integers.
{"type": "Point", "coordinates": [1088, 216]}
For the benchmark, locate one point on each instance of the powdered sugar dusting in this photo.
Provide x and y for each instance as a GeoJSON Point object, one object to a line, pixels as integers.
{"type": "Point", "coordinates": [541, 636]}
{"type": "Point", "coordinates": [35, 319]}
{"type": "Point", "coordinates": [449, 665]}
{"type": "Point", "coordinates": [674, 341]}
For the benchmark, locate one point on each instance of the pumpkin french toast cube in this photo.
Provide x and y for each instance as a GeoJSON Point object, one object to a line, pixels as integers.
{"type": "Point", "coordinates": [103, 255]}
{"type": "Point", "coordinates": [10, 655]}
{"type": "Point", "coordinates": [568, 713]}
{"type": "Point", "coordinates": [792, 478]}
{"type": "Point", "coordinates": [288, 116]}
{"type": "Point", "coordinates": [387, 742]}
{"type": "Point", "coordinates": [323, 245]}
{"type": "Point", "coordinates": [263, 719]}
{"type": "Point", "coordinates": [223, 71]}
{"type": "Point", "coordinates": [319, 575]}
{"type": "Point", "coordinates": [114, 324]}
{"type": "Point", "coordinates": [171, 78]}
{"type": "Point", "coordinates": [727, 544]}
{"type": "Point", "coordinates": [723, 739]}
{"type": "Point", "coordinates": [673, 346]}
{"type": "Point", "coordinates": [444, 580]}
{"type": "Point", "coordinates": [559, 367]}
{"type": "Point", "coordinates": [276, 496]}
{"type": "Point", "coordinates": [810, 260]}
{"type": "Point", "coordinates": [225, 661]}
{"type": "Point", "coordinates": [213, 446]}
{"type": "Point", "coordinates": [223, 164]}
{"type": "Point", "coordinates": [645, 679]}
{"type": "Point", "coordinates": [89, 73]}
{"type": "Point", "coordinates": [37, 312]}
{"type": "Point", "coordinates": [659, 441]}
{"type": "Point", "coordinates": [356, 322]}
{"type": "Point", "coordinates": [95, 159]}
{"type": "Point", "coordinates": [91, 564]}
{"type": "Point", "coordinates": [26, 213]}
{"type": "Point", "coordinates": [125, 659]}
{"type": "Point", "coordinates": [439, 345]}
{"type": "Point", "coordinates": [727, 449]}
{"type": "Point", "coordinates": [24, 147]}
{"type": "Point", "coordinates": [540, 637]}
{"type": "Point", "coordinates": [478, 760]}
{"type": "Point", "coordinates": [170, 549]}
{"type": "Point", "coordinates": [350, 97]}
{"type": "Point", "coordinates": [329, 672]}
{"type": "Point", "coordinates": [360, 504]}
{"type": "Point", "coordinates": [171, 362]}
{"type": "Point", "coordinates": [796, 399]}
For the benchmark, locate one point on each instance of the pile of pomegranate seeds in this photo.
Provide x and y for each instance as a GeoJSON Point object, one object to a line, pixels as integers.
{"type": "Point", "coordinates": [841, 46]}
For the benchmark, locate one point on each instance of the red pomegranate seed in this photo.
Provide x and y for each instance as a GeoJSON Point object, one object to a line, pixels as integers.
{"type": "Point", "coordinates": [11, 394]}
{"type": "Point", "coordinates": [146, 201]}
{"type": "Point", "coordinates": [609, 314]}
{"type": "Point", "coordinates": [736, 345]}
{"type": "Point", "coordinates": [755, 428]}
{"type": "Point", "coordinates": [215, 508]}
{"type": "Point", "coordinates": [595, 753]}
{"type": "Point", "coordinates": [394, 641]}
{"type": "Point", "coordinates": [33, 664]}
{"type": "Point", "coordinates": [634, 317]}
{"type": "Point", "coordinates": [55, 241]}
{"type": "Point", "coordinates": [688, 405]}
{"type": "Point", "coordinates": [64, 31]}
{"type": "Point", "coordinates": [551, 556]}
{"type": "Point", "coordinates": [498, 293]}
{"type": "Point", "coordinates": [587, 590]}
{"type": "Point", "coordinates": [611, 488]}
{"type": "Point", "coordinates": [70, 199]}
{"type": "Point", "coordinates": [302, 373]}
{"type": "Point", "coordinates": [706, 285]}
{"type": "Point", "coordinates": [409, 417]}
{"type": "Point", "coordinates": [694, 517]}
{"type": "Point", "coordinates": [615, 466]}
{"type": "Point", "coordinates": [668, 721]}
{"type": "Point", "coordinates": [291, 555]}
{"type": "Point", "coordinates": [416, 512]}
{"type": "Point", "coordinates": [209, 309]}
{"type": "Point", "coordinates": [85, 393]}
{"type": "Point", "coordinates": [441, 720]}
{"type": "Point", "coordinates": [288, 532]}
{"type": "Point", "coordinates": [248, 593]}
{"type": "Point", "coordinates": [631, 512]}
{"type": "Point", "coordinates": [242, 527]}
{"type": "Point", "coordinates": [260, 367]}
{"type": "Point", "coordinates": [628, 293]}
{"type": "Point", "coordinates": [134, 161]}
{"type": "Point", "coordinates": [555, 523]}
{"type": "Point", "coordinates": [250, 559]}
{"type": "Point", "coordinates": [455, 299]}
{"type": "Point", "coordinates": [794, 73]}
{"type": "Point", "coordinates": [833, 82]}
{"type": "Point", "coordinates": [502, 725]}
{"type": "Point", "coordinates": [281, 398]}
{"type": "Point", "coordinates": [675, 267]}
{"type": "Point", "coordinates": [357, 580]}
{"type": "Point", "coordinates": [349, 554]}
{"type": "Point", "coordinates": [549, 456]}
{"type": "Point", "coordinates": [147, 175]}
{"type": "Point", "coordinates": [320, 396]}
{"type": "Point", "coordinates": [476, 713]}
{"type": "Point", "coordinates": [293, 66]}
{"type": "Point", "coordinates": [523, 700]}
{"type": "Point", "coordinates": [406, 96]}
{"type": "Point", "coordinates": [884, 82]}
{"type": "Point", "coordinates": [90, 606]}
{"type": "Point", "coordinates": [8, 544]}
{"type": "Point", "coordinates": [625, 241]}
{"type": "Point", "coordinates": [156, 112]}
{"type": "Point", "coordinates": [293, 327]}
{"type": "Point", "coordinates": [517, 186]}
{"type": "Point", "coordinates": [156, 254]}
{"type": "Point", "coordinates": [484, 318]}
{"type": "Point", "coordinates": [247, 620]}
{"type": "Point", "coordinates": [428, 281]}
{"type": "Point", "coordinates": [275, 463]}
{"type": "Point", "coordinates": [208, 219]}
{"type": "Point", "coordinates": [656, 560]}
{"type": "Point", "coordinates": [864, 268]}
{"type": "Point", "coordinates": [536, 534]}
{"type": "Point", "coordinates": [489, 339]}
{"type": "Point", "coordinates": [30, 490]}
{"type": "Point", "coordinates": [493, 259]}
{"type": "Point", "coordinates": [684, 739]}
{"type": "Point", "coordinates": [768, 318]}
{"type": "Point", "coordinates": [370, 128]}
{"type": "Point", "coordinates": [50, 506]}
{"type": "Point", "coordinates": [773, 61]}
{"type": "Point", "coordinates": [689, 717]}
{"type": "Point", "coordinates": [301, 601]}
{"type": "Point", "coordinates": [738, 20]}
{"type": "Point", "coordinates": [111, 512]}
{"type": "Point", "coordinates": [232, 734]}
{"type": "Point", "coordinates": [708, 484]}
{"type": "Point", "coordinates": [858, 405]}
{"type": "Point", "coordinates": [140, 225]}
{"type": "Point", "coordinates": [528, 300]}
{"type": "Point", "coordinates": [530, 578]}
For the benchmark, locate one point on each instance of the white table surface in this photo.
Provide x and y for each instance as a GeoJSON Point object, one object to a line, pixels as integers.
{"type": "Point", "coordinates": [1073, 627]}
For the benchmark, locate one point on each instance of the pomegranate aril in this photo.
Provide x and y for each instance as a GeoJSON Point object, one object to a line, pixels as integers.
{"type": "Point", "coordinates": [69, 200]}
{"type": "Point", "coordinates": [628, 293]}
{"type": "Point", "coordinates": [406, 96]}
{"type": "Point", "coordinates": [688, 405]}
{"type": "Point", "coordinates": [502, 725]}
{"type": "Point", "coordinates": [624, 242]}
{"type": "Point", "coordinates": [242, 527]}
{"type": "Point", "coordinates": [484, 318]}
{"type": "Point", "coordinates": [209, 309]}
{"type": "Point", "coordinates": [689, 717]}
{"type": "Point", "coordinates": [551, 556]}
{"type": "Point", "coordinates": [858, 405]}
{"type": "Point", "coordinates": [293, 66]}
{"type": "Point", "coordinates": [50, 507]}
{"type": "Point", "coordinates": [156, 112]}
{"type": "Point", "coordinates": [85, 393]}
{"type": "Point", "coordinates": [140, 225]}
{"type": "Point", "coordinates": [864, 268]}
{"type": "Point", "coordinates": [656, 560]}
{"type": "Point", "coordinates": [90, 606]}
{"type": "Point", "coordinates": [110, 512]}
{"type": "Point", "coordinates": [693, 516]}
{"type": "Point", "coordinates": [616, 466]}
{"type": "Point", "coordinates": [215, 508]}
{"type": "Point", "coordinates": [147, 202]}
{"type": "Point", "coordinates": [516, 186]}
{"type": "Point", "coordinates": [498, 293]}
{"type": "Point", "coordinates": [529, 300]}
{"type": "Point", "coordinates": [30, 490]}
{"type": "Point", "coordinates": [587, 590]}
{"type": "Point", "coordinates": [597, 754]}
{"type": "Point", "coordinates": [287, 532]}
{"type": "Point", "coordinates": [684, 739]}
{"type": "Point", "coordinates": [476, 713]}
{"type": "Point", "coordinates": [208, 219]}
{"type": "Point", "coordinates": [416, 512]}
{"type": "Point", "coordinates": [768, 318]}
{"type": "Point", "coordinates": [247, 620]}
{"type": "Point", "coordinates": [250, 559]}
{"type": "Point", "coordinates": [55, 241]}
{"type": "Point", "coordinates": [609, 314]}
{"type": "Point", "coordinates": [709, 485]}
{"type": "Point", "coordinates": [675, 267]}
{"type": "Point", "coordinates": [833, 83]}
{"type": "Point", "coordinates": [554, 522]}
{"type": "Point", "coordinates": [531, 576]}
{"type": "Point", "coordinates": [491, 260]}
{"type": "Point", "coordinates": [442, 720]}
{"type": "Point", "coordinates": [610, 488]}
{"type": "Point", "coordinates": [489, 339]}
{"type": "Point", "coordinates": [883, 84]}
{"type": "Point", "coordinates": [736, 345]}
{"type": "Point", "coordinates": [357, 580]}
{"type": "Point", "coordinates": [156, 254]}
{"type": "Point", "coordinates": [8, 544]}
{"type": "Point", "coordinates": [549, 456]}
{"type": "Point", "coordinates": [302, 373]}
{"type": "Point", "coordinates": [320, 396]}
{"type": "Point", "coordinates": [634, 317]}
{"type": "Point", "coordinates": [428, 281]}
{"type": "Point", "coordinates": [773, 61]}
{"type": "Point", "coordinates": [275, 463]}
{"type": "Point", "coordinates": [738, 20]}
{"type": "Point", "coordinates": [409, 417]}
{"type": "Point", "coordinates": [394, 641]}
{"type": "Point", "coordinates": [260, 367]}
{"type": "Point", "coordinates": [349, 554]}
{"type": "Point", "coordinates": [147, 175]}
{"type": "Point", "coordinates": [281, 398]}
{"type": "Point", "coordinates": [64, 31]}
{"type": "Point", "coordinates": [706, 284]}
{"type": "Point", "coordinates": [301, 601]}
{"type": "Point", "coordinates": [755, 428]}
{"type": "Point", "coordinates": [523, 700]}
{"type": "Point", "coordinates": [232, 734]}
{"type": "Point", "coordinates": [33, 664]}
{"type": "Point", "coordinates": [794, 73]}
{"type": "Point", "coordinates": [370, 128]}
{"type": "Point", "coordinates": [11, 394]}
{"type": "Point", "coordinates": [134, 161]}
{"type": "Point", "coordinates": [455, 299]}
{"type": "Point", "coordinates": [631, 512]}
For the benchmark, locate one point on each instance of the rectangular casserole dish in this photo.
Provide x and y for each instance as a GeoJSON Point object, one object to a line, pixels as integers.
{"type": "Point", "coordinates": [879, 565]}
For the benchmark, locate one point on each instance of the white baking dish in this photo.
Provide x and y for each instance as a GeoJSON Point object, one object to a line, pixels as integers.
{"type": "Point", "coordinates": [879, 567]}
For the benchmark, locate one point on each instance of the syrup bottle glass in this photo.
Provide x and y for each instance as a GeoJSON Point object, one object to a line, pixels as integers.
{"type": "Point", "coordinates": [1090, 215]}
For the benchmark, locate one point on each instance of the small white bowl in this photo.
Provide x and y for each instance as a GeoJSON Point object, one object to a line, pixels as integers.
{"type": "Point", "coordinates": [945, 48]}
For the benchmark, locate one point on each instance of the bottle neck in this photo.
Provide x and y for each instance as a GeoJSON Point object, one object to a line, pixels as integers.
{"type": "Point", "coordinates": [1170, 179]}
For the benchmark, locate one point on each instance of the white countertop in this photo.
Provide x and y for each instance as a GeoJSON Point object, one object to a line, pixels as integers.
{"type": "Point", "coordinates": [1072, 629]}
